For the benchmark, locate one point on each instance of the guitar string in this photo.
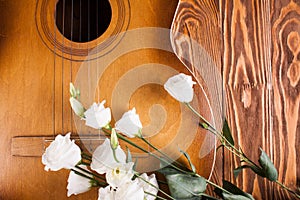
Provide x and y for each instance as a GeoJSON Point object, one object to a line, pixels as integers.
{"type": "Point", "coordinates": [80, 21]}
{"type": "Point", "coordinates": [88, 39]}
{"type": "Point", "coordinates": [71, 60]}
{"type": "Point", "coordinates": [62, 74]}
{"type": "Point", "coordinates": [97, 16]}
{"type": "Point", "coordinates": [54, 71]}
{"type": "Point", "coordinates": [97, 28]}
{"type": "Point", "coordinates": [80, 38]}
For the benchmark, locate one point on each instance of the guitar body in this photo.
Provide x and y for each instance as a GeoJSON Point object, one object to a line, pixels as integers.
{"type": "Point", "coordinates": [37, 64]}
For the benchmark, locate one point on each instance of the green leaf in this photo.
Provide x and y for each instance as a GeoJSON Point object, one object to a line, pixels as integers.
{"type": "Point", "coordinates": [219, 147]}
{"type": "Point", "coordinates": [238, 170]}
{"type": "Point", "coordinates": [258, 171]}
{"type": "Point", "coordinates": [255, 169]}
{"type": "Point", "coordinates": [234, 197]}
{"type": "Point", "coordinates": [129, 158]}
{"type": "Point", "coordinates": [207, 197]}
{"type": "Point", "coordinates": [269, 169]}
{"type": "Point", "coordinates": [168, 171]}
{"type": "Point", "coordinates": [227, 133]}
{"type": "Point", "coordinates": [184, 186]}
{"type": "Point", "coordinates": [135, 164]}
{"type": "Point", "coordinates": [189, 159]}
{"type": "Point", "coordinates": [163, 163]}
{"type": "Point", "coordinates": [235, 190]}
{"type": "Point", "coordinates": [193, 198]}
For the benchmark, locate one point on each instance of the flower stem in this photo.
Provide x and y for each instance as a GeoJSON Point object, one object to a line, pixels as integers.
{"type": "Point", "coordinates": [156, 196]}
{"type": "Point", "coordinates": [137, 175]}
{"type": "Point", "coordinates": [91, 173]}
{"type": "Point", "coordinates": [223, 139]}
{"type": "Point", "coordinates": [237, 152]}
{"type": "Point", "coordinates": [217, 186]}
{"type": "Point", "coordinates": [150, 153]}
{"type": "Point", "coordinates": [162, 153]}
{"type": "Point", "coordinates": [214, 184]}
{"type": "Point", "coordinates": [288, 189]}
{"type": "Point", "coordinates": [88, 177]}
{"type": "Point", "coordinates": [115, 156]}
{"type": "Point", "coordinates": [198, 114]}
{"type": "Point", "coordinates": [86, 156]}
{"type": "Point", "coordinates": [84, 163]}
{"type": "Point", "coordinates": [162, 182]}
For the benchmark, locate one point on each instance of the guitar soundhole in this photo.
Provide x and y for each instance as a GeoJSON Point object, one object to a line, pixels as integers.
{"type": "Point", "coordinates": [82, 20]}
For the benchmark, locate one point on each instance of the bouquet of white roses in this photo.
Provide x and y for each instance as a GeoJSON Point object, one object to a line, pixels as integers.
{"type": "Point", "coordinates": [113, 170]}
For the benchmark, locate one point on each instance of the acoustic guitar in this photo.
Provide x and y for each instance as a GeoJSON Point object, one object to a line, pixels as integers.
{"type": "Point", "coordinates": [118, 51]}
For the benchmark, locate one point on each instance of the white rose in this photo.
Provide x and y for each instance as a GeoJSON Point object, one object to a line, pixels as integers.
{"type": "Point", "coordinates": [180, 87]}
{"type": "Point", "coordinates": [78, 184]}
{"type": "Point", "coordinates": [130, 124]}
{"type": "Point", "coordinates": [97, 116]}
{"type": "Point", "coordinates": [130, 190]}
{"type": "Point", "coordinates": [120, 174]}
{"type": "Point", "coordinates": [62, 153]}
{"type": "Point", "coordinates": [106, 193]}
{"type": "Point", "coordinates": [147, 187]}
{"type": "Point", "coordinates": [77, 107]}
{"type": "Point", "coordinates": [103, 158]}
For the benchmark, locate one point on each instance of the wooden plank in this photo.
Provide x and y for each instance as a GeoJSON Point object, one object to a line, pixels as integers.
{"type": "Point", "coordinates": [263, 100]}
{"type": "Point", "coordinates": [246, 76]}
{"type": "Point", "coordinates": [196, 24]}
{"type": "Point", "coordinates": [261, 77]}
{"type": "Point", "coordinates": [285, 20]}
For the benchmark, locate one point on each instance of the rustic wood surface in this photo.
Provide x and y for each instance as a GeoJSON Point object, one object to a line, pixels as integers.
{"type": "Point", "coordinates": [260, 67]}
{"type": "Point", "coordinates": [36, 66]}
{"type": "Point", "coordinates": [199, 21]}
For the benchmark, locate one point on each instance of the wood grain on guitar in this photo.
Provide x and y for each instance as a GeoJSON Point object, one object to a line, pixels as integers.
{"type": "Point", "coordinates": [37, 65]}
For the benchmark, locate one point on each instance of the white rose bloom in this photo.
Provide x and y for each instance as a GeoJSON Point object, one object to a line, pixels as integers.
{"type": "Point", "coordinates": [180, 87]}
{"type": "Point", "coordinates": [77, 107]}
{"type": "Point", "coordinates": [103, 159]}
{"type": "Point", "coordinates": [120, 174]}
{"type": "Point", "coordinates": [78, 184]}
{"type": "Point", "coordinates": [106, 193]}
{"type": "Point", "coordinates": [130, 124]}
{"type": "Point", "coordinates": [130, 190]}
{"type": "Point", "coordinates": [62, 153]}
{"type": "Point", "coordinates": [97, 116]}
{"type": "Point", "coordinates": [147, 187]}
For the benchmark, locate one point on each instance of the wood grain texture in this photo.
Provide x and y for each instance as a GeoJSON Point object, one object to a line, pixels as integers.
{"type": "Point", "coordinates": [285, 20]}
{"type": "Point", "coordinates": [260, 70]}
{"type": "Point", "coordinates": [196, 24]}
{"type": "Point", "coordinates": [246, 75]}
{"type": "Point", "coordinates": [257, 58]}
